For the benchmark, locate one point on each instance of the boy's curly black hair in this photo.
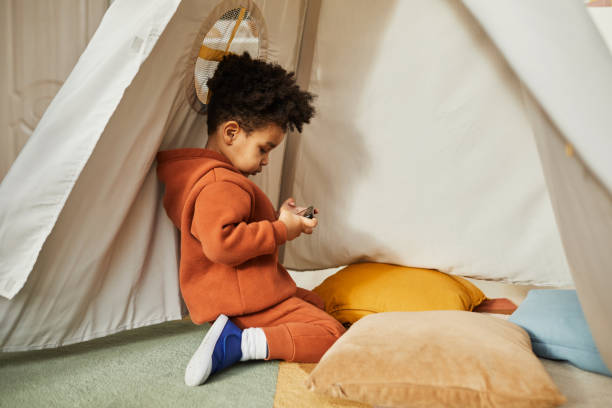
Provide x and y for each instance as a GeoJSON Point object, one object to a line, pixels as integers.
{"type": "Point", "coordinates": [255, 94]}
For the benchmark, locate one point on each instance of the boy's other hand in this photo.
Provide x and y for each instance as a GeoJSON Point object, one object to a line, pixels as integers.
{"type": "Point", "coordinates": [289, 205]}
{"type": "Point", "coordinates": [296, 224]}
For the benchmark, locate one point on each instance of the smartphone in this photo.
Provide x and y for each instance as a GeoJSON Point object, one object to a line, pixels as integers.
{"type": "Point", "coordinates": [309, 213]}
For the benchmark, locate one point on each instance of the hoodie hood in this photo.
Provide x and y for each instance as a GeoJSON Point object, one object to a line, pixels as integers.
{"type": "Point", "coordinates": [180, 170]}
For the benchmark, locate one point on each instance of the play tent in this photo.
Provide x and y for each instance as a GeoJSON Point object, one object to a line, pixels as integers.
{"type": "Point", "coordinates": [471, 137]}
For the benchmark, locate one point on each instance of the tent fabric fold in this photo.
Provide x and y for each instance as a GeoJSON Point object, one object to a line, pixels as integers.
{"type": "Point", "coordinates": [568, 100]}
{"type": "Point", "coordinates": [573, 85]}
{"type": "Point", "coordinates": [32, 196]}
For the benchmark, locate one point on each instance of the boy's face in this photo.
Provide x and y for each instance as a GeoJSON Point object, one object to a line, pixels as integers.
{"type": "Point", "coordinates": [249, 152]}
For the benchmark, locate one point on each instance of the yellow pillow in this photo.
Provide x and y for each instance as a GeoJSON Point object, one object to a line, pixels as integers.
{"type": "Point", "coordinates": [450, 359]}
{"type": "Point", "coordinates": [365, 288]}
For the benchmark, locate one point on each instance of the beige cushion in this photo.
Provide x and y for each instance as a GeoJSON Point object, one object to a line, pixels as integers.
{"type": "Point", "coordinates": [435, 359]}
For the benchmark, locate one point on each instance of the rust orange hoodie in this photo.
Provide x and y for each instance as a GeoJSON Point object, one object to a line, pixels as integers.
{"type": "Point", "coordinates": [230, 236]}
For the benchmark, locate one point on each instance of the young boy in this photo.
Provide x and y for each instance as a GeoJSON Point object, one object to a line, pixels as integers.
{"type": "Point", "coordinates": [230, 232]}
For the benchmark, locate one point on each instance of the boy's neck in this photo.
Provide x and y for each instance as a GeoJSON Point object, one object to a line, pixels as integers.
{"type": "Point", "coordinates": [211, 144]}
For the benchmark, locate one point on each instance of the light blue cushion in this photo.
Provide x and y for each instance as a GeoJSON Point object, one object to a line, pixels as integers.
{"type": "Point", "coordinates": [558, 329]}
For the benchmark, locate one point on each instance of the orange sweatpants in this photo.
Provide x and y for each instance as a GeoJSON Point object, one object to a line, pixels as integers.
{"type": "Point", "coordinates": [297, 329]}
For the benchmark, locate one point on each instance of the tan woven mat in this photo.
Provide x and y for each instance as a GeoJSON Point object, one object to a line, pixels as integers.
{"type": "Point", "coordinates": [292, 393]}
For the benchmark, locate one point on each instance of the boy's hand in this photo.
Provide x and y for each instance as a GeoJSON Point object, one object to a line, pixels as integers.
{"type": "Point", "coordinates": [289, 205]}
{"type": "Point", "coordinates": [296, 224]}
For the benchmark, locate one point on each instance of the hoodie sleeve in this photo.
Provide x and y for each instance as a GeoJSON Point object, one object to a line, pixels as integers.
{"type": "Point", "coordinates": [220, 224]}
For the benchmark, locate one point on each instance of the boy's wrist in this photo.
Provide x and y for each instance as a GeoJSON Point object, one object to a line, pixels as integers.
{"type": "Point", "coordinates": [280, 232]}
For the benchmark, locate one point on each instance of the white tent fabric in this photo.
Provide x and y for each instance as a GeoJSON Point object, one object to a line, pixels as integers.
{"type": "Point", "coordinates": [575, 96]}
{"type": "Point", "coordinates": [574, 87]}
{"type": "Point", "coordinates": [422, 154]}
{"type": "Point", "coordinates": [110, 262]}
{"type": "Point", "coordinates": [31, 197]}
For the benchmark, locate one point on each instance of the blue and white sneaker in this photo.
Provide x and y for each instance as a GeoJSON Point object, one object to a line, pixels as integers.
{"type": "Point", "coordinates": [220, 348]}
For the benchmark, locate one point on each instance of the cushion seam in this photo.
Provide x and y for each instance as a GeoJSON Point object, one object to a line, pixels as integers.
{"type": "Point", "coordinates": [448, 387]}
{"type": "Point", "coordinates": [355, 310]}
{"type": "Point", "coordinates": [567, 347]}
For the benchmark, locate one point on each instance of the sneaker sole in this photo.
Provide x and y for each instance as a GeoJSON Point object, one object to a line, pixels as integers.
{"type": "Point", "coordinates": [199, 367]}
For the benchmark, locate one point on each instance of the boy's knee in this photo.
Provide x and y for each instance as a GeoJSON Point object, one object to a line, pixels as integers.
{"type": "Point", "coordinates": [340, 330]}
{"type": "Point", "coordinates": [311, 297]}
{"type": "Point", "coordinates": [335, 328]}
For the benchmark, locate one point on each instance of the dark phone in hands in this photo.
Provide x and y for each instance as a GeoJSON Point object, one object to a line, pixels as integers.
{"type": "Point", "coordinates": [309, 213]}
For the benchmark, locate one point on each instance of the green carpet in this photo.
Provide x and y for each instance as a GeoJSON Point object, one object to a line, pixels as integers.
{"type": "Point", "coordinates": [137, 368]}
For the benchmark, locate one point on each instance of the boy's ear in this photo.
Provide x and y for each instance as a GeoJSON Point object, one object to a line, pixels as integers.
{"type": "Point", "coordinates": [230, 130]}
